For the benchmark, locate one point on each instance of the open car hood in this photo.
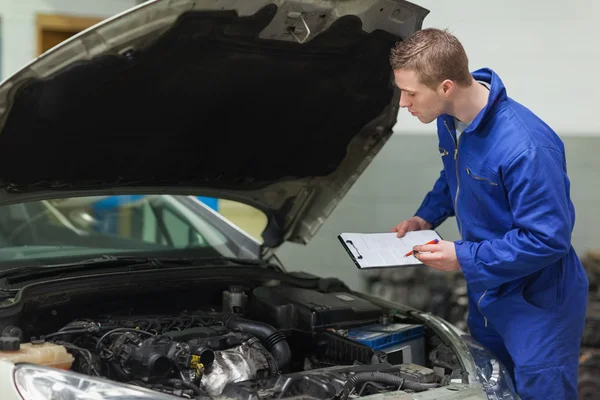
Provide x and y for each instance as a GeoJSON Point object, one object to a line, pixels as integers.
{"type": "Point", "coordinates": [279, 104]}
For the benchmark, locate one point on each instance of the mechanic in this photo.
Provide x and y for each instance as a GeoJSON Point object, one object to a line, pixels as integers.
{"type": "Point", "coordinates": [504, 179]}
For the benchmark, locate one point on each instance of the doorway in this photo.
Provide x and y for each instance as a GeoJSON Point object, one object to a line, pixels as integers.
{"type": "Point", "coordinates": [52, 29]}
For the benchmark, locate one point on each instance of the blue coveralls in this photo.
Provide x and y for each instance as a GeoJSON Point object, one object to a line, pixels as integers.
{"type": "Point", "coordinates": [505, 181]}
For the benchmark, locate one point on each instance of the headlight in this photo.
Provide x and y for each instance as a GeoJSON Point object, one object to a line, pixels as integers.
{"type": "Point", "coordinates": [493, 376]}
{"type": "Point", "coordinates": [36, 382]}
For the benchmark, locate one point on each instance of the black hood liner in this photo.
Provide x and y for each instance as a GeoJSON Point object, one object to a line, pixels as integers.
{"type": "Point", "coordinates": [207, 103]}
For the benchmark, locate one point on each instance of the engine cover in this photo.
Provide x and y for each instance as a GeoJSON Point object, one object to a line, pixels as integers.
{"type": "Point", "coordinates": [309, 310]}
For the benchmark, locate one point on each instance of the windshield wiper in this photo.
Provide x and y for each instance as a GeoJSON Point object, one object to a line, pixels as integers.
{"type": "Point", "coordinates": [132, 262]}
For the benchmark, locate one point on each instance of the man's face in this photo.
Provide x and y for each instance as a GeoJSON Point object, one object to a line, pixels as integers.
{"type": "Point", "coordinates": [422, 102]}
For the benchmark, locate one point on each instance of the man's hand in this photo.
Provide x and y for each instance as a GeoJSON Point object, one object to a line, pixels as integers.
{"type": "Point", "coordinates": [440, 256]}
{"type": "Point", "coordinates": [413, 224]}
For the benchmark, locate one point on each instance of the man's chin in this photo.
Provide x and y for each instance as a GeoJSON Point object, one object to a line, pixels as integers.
{"type": "Point", "coordinates": [424, 120]}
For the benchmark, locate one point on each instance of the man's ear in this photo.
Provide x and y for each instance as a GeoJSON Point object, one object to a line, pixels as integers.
{"type": "Point", "coordinates": [446, 88]}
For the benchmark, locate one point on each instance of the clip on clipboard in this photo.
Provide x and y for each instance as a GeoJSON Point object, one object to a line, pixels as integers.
{"type": "Point", "coordinates": [385, 250]}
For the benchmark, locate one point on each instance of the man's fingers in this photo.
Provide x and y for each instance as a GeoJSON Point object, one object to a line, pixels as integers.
{"type": "Point", "coordinates": [427, 257]}
{"type": "Point", "coordinates": [428, 248]}
{"type": "Point", "coordinates": [401, 229]}
{"type": "Point", "coordinates": [433, 260]}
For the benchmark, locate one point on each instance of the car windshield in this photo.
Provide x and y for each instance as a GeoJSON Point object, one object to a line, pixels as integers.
{"type": "Point", "coordinates": [145, 225]}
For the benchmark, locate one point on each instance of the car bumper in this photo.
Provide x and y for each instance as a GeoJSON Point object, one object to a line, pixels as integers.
{"type": "Point", "coordinates": [457, 391]}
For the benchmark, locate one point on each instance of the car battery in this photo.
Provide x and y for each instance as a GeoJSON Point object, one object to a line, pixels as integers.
{"type": "Point", "coordinates": [403, 343]}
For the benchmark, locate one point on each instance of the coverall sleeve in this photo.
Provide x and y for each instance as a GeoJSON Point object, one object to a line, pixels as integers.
{"type": "Point", "coordinates": [437, 205]}
{"type": "Point", "coordinates": [537, 187]}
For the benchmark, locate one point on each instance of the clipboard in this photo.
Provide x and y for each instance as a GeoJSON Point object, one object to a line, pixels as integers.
{"type": "Point", "coordinates": [384, 250]}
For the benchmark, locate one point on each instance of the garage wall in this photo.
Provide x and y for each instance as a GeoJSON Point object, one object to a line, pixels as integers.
{"type": "Point", "coordinates": [394, 185]}
{"type": "Point", "coordinates": [545, 51]}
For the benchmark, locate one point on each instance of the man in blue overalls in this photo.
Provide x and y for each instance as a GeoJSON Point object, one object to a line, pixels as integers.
{"type": "Point", "coordinates": [504, 179]}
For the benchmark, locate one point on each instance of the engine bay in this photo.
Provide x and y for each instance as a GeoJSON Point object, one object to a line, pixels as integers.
{"type": "Point", "coordinates": [262, 342]}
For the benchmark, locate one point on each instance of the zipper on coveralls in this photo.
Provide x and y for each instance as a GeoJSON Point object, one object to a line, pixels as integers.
{"type": "Point", "coordinates": [456, 142]}
{"type": "Point", "coordinates": [478, 303]}
{"type": "Point", "coordinates": [457, 178]}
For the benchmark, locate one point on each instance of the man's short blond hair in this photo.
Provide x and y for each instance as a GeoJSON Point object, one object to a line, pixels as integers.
{"type": "Point", "coordinates": [435, 55]}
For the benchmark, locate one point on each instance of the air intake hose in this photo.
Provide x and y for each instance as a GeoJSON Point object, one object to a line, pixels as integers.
{"type": "Point", "coordinates": [272, 339]}
{"type": "Point", "coordinates": [419, 386]}
{"type": "Point", "coordinates": [379, 377]}
{"type": "Point", "coordinates": [361, 378]}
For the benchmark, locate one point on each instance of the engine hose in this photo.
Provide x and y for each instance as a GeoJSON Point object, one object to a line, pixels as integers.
{"type": "Point", "coordinates": [273, 368]}
{"type": "Point", "coordinates": [418, 386]}
{"type": "Point", "coordinates": [385, 378]}
{"type": "Point", "coordinates": [271, 338]}
{"type": "Point", "coordinates": [363, 377]}
{"type": "Point", "coordinates": [379, 377]}
{"type": "Point", "coordinates": [66, 333]}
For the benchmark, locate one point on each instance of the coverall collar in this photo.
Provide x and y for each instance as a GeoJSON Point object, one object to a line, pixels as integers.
{"type": "Point", "coordinates": [497, 99]}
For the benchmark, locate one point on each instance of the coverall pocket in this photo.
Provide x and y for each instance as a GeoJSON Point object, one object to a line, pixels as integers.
{"type": "Point", "coordinates": [482, 191]}
{"type": "Point", "coordinates": [479, 177]}
{"type": "Point", "coordinates": [542, 289]}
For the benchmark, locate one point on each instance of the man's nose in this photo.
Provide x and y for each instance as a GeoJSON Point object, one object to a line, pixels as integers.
{"type": "Point", "coordinates": [404, 102]}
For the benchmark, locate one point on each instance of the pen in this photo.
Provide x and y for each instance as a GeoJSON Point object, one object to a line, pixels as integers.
{"type": "Point", "coordinates": [434, 241]}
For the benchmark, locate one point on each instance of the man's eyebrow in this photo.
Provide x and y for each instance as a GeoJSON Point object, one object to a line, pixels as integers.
{"type": "Point", "coordinates": [406, 90]}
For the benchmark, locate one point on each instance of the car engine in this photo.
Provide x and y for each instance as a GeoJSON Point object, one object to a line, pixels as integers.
{"type": "Point", "coordinates": [187, 355]}
{"type": "Point", "coordinates": [269, 342]}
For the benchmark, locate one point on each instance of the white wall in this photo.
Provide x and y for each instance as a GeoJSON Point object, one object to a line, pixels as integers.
{"type": "Point", "coordinates": [545, 51]}
{"type": "Point", "coordinates": [18, 24]}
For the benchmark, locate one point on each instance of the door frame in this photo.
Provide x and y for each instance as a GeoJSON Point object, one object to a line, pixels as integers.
{"type": "Point", "coordinates": [61, 23]}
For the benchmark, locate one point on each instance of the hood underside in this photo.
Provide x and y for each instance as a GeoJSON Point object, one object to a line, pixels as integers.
{"type": "Point", "coordinates": [275, 103]}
